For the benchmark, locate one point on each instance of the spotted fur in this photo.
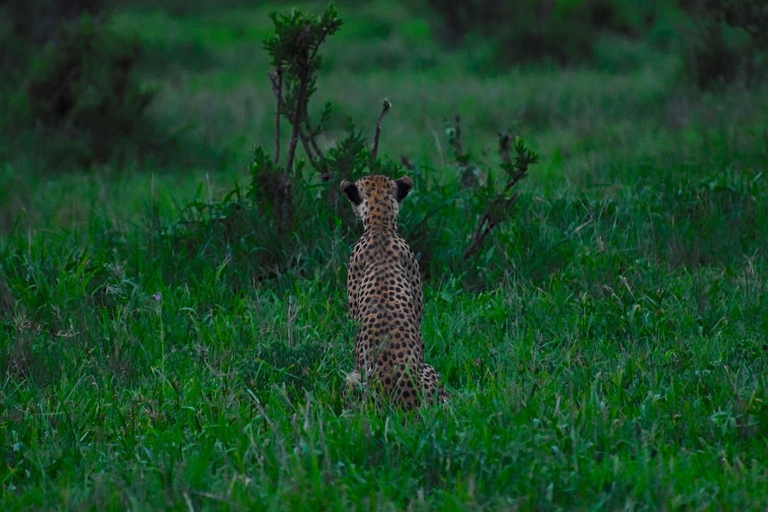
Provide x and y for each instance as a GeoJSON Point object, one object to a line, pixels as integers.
{"type": "Point", "coordinates": [386, 298]}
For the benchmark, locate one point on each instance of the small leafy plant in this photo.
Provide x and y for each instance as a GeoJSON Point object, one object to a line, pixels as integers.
{"type": "Point", "coordinates": [501, 206]}
{"type": "Point", "coordinates": [291, 208]}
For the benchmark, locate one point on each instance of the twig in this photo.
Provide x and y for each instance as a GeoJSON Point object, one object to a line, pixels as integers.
{"type": "Point", "coordinates": [306, 142]}
{"type": "Point", "coordinates": [407, 162]}
{"type": "Point", "coordinates": [299, 111]}
{"type": "Point", "coordinates": [301, 116]}
{"type": "Point", "coordinates": [312, 140]}
{"type": "Point", "coordinates": [491, 217]}
{"type": "Point", "coordinates": [295, 132]}
{"type": "Point", "coordinates": [487, 223]}
{"type": "Point", "coordinates": [276, 80]}
{"type": "Point", "coordinates": [384, 109]}
{"type": "Point", "coordinates": [519, 175]}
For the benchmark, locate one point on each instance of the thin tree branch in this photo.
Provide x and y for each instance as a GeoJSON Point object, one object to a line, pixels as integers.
{"type": "Point", "coordinates": [488, 222]}
{"type": "Point", "coordinates": [312, 140]}
{"type": "Point", "coordinates": [306, 142]}
{"type": "Point", "coordinates": [276, 80]}
{"type": "Point", "coordinates": [296, 122]}
{"type": "Point", "coordinates": [491, 218]}
{"type": "Point", "coordinates": [310, 145]}
{"type": "Point", "coordinates": [385, 106]}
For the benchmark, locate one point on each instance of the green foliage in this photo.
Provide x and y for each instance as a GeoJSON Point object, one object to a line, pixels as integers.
{"type": "Point", "coordinates": [293, 50]}
{"type": "Point", "coordinates": [350, 156]}
{"type": "Point", "coordinates": [293, 47]}
{"type": "Point", "coordinates": [83, 87]}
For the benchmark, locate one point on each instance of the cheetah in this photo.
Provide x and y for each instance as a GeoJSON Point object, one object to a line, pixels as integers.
{"type": "Point", "coordinates": [386, 298]}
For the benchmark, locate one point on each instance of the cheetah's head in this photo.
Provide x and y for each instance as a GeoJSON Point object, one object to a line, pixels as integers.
{"type": "Point", "coordinates": [376, 199]}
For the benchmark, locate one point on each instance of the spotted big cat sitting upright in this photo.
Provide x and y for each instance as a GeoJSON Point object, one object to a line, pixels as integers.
{"type": "Point", "coordinates": [386, 299]}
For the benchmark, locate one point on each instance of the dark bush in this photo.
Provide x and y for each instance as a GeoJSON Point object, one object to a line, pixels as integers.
{"type": "Point", "coordinates": [38, 21]}
{"type": "Point", "coordinates": [751, 16]}
{"type": "Point", "coordinates": [530, 30]}
{"type": "Point", "coordinates": [27, 25]}
{"type": "Point", "coordinates": [83, 86]}
{"type": "Point", "coordinates": [727, 43]}
{"type": "Point", "coordinates": [711, 58]}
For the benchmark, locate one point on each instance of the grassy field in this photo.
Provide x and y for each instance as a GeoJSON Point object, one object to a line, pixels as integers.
{"type": "Point", "coordinates": [606, 350]}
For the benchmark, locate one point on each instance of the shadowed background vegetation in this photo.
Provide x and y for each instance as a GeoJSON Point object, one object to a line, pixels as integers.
{"type": "Point", "coordinates": [172, 337]}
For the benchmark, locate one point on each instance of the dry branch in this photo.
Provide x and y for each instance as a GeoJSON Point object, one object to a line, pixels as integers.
{"type": "Point", "coordinates": [312, 140]}
{"type": "Point", "coordinates": [276, 80]}
{"type": "Point", "coordinates": [385, 106]}
{"type": "Point", "coordinates": [501, 206]}
{"type": "Point", "coordinates": [491, 218]}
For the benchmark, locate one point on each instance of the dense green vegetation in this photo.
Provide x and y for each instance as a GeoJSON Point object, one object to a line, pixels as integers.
{"type": "Point", "coordinates": [605, 349]}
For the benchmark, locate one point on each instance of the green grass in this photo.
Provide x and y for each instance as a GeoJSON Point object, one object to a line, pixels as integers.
{"type": "Point", "coordinates": [606, 350]}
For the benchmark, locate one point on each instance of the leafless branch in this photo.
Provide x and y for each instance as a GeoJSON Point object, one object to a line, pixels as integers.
{"type": "Point", "coordinates": [294, 133]}
{"type": "Point", "coordinates": [276, 80]}
{"type": "Point", "coordinates": [307, 142]}
{"type": "Point", "coordinates": [305, 134]}
{"type": "Point", "coordinates": [489, 221]}
{"type": "Point", "coordinates": [494, 214]}
{"type": "Point", "coordinates": [385, 106]}
{"type": "Point", "coordinates": [300, 111]}
{"type": "Point", "coordinates": [312, 140]}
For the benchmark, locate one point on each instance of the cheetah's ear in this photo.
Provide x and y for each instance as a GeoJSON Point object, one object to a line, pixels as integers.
{"type": "Point", "coordinates": [350, 189]}
{"type": "Point", "coordinates": [404, 185]}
